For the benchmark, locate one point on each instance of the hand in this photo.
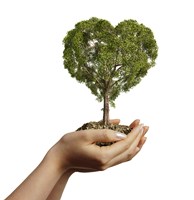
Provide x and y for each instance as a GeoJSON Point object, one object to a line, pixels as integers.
{"type": "Point", "coordinates": [132, 125]}
{"type": "Point", "coordinates": [77, 151]}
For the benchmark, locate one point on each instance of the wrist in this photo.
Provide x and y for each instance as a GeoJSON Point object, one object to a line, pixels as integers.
{"type": "Point", "coordinates": [57, 160]}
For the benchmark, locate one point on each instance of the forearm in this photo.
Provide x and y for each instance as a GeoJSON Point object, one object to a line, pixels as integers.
{"type": "Point", "coordinates": [58, 189]}
{"type": "Point", "coordinates": [39, 184]}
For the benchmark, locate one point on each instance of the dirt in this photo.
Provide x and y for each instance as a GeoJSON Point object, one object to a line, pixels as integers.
{"type": "Point", "coordinates": [99, 125]}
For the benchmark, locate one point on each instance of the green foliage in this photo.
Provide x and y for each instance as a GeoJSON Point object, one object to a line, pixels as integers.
{"type": "Point", "coordinates": [109, 59]}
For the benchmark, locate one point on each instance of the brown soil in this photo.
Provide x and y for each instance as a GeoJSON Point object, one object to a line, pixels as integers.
{"type": "Point", "coordinates": [98, 125]}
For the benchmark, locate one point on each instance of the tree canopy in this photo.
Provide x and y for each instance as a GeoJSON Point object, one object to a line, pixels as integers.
{"type": "Point", "coordinates": [108, 59]}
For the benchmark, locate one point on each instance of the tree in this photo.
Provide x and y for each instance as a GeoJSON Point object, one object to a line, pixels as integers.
{"type": "Point", "coordinates": [109, 60]}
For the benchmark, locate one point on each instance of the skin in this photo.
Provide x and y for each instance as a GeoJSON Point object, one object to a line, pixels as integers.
{"type": "Point", "coordinates": [78, 152]}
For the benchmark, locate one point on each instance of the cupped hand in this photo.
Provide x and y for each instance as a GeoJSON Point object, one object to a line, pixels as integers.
{"type": "Point", "coordinates": [77, 151]}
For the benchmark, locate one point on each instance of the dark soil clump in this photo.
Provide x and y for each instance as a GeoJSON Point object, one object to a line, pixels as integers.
{"type": "Point", "coordinates": [99, 125]}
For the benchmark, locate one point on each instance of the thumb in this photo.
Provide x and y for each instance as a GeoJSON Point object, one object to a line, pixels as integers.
{"type": "Point", "coordinates": [106, 135]}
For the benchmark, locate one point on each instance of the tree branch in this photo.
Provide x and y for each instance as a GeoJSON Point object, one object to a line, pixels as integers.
{"type": "Point", "coordinates": [120, 80]}
{"type": "Point", "coordinates": [95, 77]}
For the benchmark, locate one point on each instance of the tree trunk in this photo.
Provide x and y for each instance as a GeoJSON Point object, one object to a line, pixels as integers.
{"type": "Point", "coordinates": [106, 109]}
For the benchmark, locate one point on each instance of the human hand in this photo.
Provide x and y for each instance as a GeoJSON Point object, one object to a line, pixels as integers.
{"type": "Point", "coordinates": [77, 151]}
{"type": "Point", "coordinates": [131, 126]}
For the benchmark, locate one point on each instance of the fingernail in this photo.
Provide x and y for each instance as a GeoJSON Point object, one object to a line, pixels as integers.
{"type": "Point", "coordinates": [141, 126]}
{"type": "Point", "coordinates": [121, 135]}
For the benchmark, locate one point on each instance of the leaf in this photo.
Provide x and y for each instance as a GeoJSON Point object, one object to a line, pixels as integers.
{"type": "Point", "coordinates": [109, 59]}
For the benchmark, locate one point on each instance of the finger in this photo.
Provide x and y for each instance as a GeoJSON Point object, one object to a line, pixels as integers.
{"type": "Point", "coordinates": [114, 121]}
{"type": "Point", "coordinates": [121, 158]}
{"type": "Point", "coordinates": [135, 132]}
{"type": "Point", "coordinates": [128, 154]}
{"type": "Point", "coordinates": [142, 142]}
{"type": "Point", "coordinates": [124, 157]}
{"type": "Point", "coordinates": [146, 128]}
{"type": "Point", "coordinates": [134, 148]}
{"type": "Point", "coordinates": [139, 147]}
{"type": "Point", "coordinates": [135, 142]}
{"type": "Point", "coordinates": [123, 145]}
{"type": "Point", "coordinates": [135, 153]}
{"type": "Point", "coordinates": [134, 123]}
{"type": "Point", "coordinates": [104, 135]}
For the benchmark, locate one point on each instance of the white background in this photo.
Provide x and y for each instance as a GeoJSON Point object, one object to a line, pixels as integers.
{"type": "Point", "coordinates": [39, 101]}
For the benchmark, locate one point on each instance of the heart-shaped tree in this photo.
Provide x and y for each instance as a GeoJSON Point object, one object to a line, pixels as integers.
{"type": "Point", "coordinates": [109, 60]}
